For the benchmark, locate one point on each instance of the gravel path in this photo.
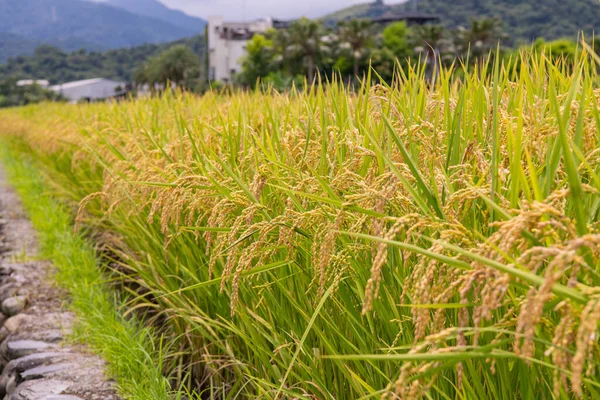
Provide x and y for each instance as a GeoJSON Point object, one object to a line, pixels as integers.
{"type": "Point", "coordinates": [34, 360]}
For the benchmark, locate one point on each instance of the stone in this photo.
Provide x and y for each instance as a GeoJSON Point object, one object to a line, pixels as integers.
{"type": "Point", "coordinates": [14, 305]}
{"type": "Point", "coordinates": [39, 389]}
{"type": "Point", "coordinates": [11, 385]}
{"type": "Point", "coordinates": [49, 336]}
{"type": "Point", "coordinates": [13, 323]}
{"type": "Point", "coordinates": [6, 269]}
{"type": "Point", "coordinates": [4, 381]}
{"type": "Point", "coordinates": [62, 397]}
{"type": "Point", "coordinates": [3, 333]}
{"type": "Point", "coordinates": [18, 278]}
{"type": "Point", "coordinates": [35, 360]}
{"type": "Point", "coordinates": [21, 348]}
{"type": "Point", "coordinates": [8, 290]}
{"type": "Point", "coordinates": [45, 371]}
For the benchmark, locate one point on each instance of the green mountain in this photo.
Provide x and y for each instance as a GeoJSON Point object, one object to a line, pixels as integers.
{"type": "Point", "coordinates": [57, 66]}
{"type": "Point", "coordinates": [156, 9]}
{"type": "Point", "coordinates": [524, 20]}
{"type": "Point", "coordinates": [74, 24]}
{"type": "Point", "coordinates": [14, 45]}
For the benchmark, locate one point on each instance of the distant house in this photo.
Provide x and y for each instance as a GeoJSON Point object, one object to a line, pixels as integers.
{"type": "Point", "coordinates": [227, 45]}
{"type": "Point", "coordinates": [90, 89]}
{"type": "Point", "coordinates": [30, 82]}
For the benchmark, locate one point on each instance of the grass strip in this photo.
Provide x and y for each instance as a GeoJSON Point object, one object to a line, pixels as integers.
{"type": "Point", "coordinates": [133, 352]}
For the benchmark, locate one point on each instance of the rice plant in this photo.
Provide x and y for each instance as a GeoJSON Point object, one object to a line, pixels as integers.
{"type": "Point", "coordinates": [416, 240]}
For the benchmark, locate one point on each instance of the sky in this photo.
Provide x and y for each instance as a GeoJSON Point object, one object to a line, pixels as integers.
{"type": "Point", "coordinates": [251, 9]}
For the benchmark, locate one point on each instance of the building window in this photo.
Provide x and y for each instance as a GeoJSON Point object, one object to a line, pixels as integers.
{"type": "Point", "coordinates": [233, 71]}
{"type": "Point", "coordinates": [212, 74]}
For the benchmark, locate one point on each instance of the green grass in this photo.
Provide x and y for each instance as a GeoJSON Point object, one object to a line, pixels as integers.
{"type": "Point", "coordinates": [132, 351]}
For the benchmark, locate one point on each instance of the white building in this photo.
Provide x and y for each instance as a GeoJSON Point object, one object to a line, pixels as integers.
{"type": "Point", "coordinates": [227, 45]}
{"type": "Point", "coordinates": [90, 89]}
{"type": "Point", "coordinates": [30, 82]}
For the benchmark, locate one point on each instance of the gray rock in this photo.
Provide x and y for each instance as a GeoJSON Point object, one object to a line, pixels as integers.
{"type": "Point", "coordinates": [62, 397]}
{"type": "Point", "coordinates": [35, 360]}
{"type": "Point", "coordinates": [14, 305]}
{"type": "Point", "coordinates": [11, 385]}
{"type": "Point", "coordinates": [18, 278]}
{"type": "Point", "coordinates": [4, 380]}
{"type": "Point", "coordinates": [39, 389]}
{"type": "Point", "coordinates": [49, 336]}
{"type": "Point", "coordinates": [8, 290]}
{"type": "Point", "coordinates": [3, 333]}
{"type": "Point", "coordinates": [6, 269]}
{"type": "Point", "coordinates": [45, 371]}
{"type": "Point", "coordinates": [22, 348]}
{"type": "Point", "coordinates": [13, 323]}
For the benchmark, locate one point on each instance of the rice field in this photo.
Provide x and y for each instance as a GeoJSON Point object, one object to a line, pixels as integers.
{"type": "Point", "coordinates": [420, 240]}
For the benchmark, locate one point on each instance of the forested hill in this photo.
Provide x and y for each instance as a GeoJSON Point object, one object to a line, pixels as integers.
{"type": "Point", "coordinates": [156, 9]}
{"type": "Point", "coordinates": [73, 24]}
{"type": "Point", "coordinates": [58, 66]}
{"type": "Point", "coordinates": [524, 20]}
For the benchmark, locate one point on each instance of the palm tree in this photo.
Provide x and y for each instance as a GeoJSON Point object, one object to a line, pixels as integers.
{"type": "Point", "coordinates": [482, 35]}
{"type": "Point", "coordinates": [281, 46]}
{"type": "Point", "coordinates": [307, 40]}
{"type": "Point", "coordinates": [432, 40]}
{"type": "Point", "coordinates": [357, 34]}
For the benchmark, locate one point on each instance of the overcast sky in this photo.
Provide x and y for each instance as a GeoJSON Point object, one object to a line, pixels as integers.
{"type": "Point", "coordinates": [250, 9]}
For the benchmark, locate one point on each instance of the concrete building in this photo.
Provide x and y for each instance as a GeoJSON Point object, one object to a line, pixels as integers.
{"type": "Point", "coordinates": [90, 89]}
{"type": "Point", "coordinates": [227, 45]}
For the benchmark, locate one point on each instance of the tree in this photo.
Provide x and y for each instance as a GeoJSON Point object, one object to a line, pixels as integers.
{"type": "Point", "coordinates": [395, 39]}
{"type": "Point", "coordinates": [557, 49]}
{"type": "Point", "coordinates": [57, 66]}
{"type": "Point", "coordinates": [482, 35]}
{"type": "Point", "coordinates": [178, 64]}
{"type": "Point", "coordinates": [357, 34]}
{"type": "Point", "coordinates": [431, 37]}
{"type": "Point", "coordinates": [258, 62]}
{"type": "Point", "coordinates": [433, 41]}
{"type": "Point", "coordinates": [307, 40]}
{"type": "Point", "coordinates": [281, 48]}
{"type": "Point", "coordinates": [393, 50]}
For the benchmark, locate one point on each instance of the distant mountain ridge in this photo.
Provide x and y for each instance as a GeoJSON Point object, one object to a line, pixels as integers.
{"type": "Point", "coordinates": [156, 9]}
{"type": "Point", "coordinates": [524, 20]}
{"type": "Point", "coordinates": [75, 24]}
{"type": "Point", "coordinates": [12, 45]}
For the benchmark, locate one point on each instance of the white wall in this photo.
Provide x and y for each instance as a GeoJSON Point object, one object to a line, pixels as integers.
{"type": "Point", "coordinates": [93, 91]}
{"type": "Point", "coordinates": [225, 56]}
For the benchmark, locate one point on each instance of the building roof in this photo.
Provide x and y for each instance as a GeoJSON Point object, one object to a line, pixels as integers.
{"type": "Point", "coordinates": [417, 18]}
{"type": "Point", "coordinates": [28, 82]}
{"type": "Point", "coordinates": [86, 82]}
{"type": "Point", "coordinates": [282, 23]}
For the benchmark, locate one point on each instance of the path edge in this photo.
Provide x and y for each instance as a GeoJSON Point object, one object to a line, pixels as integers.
{"type": "Point", "coordinates": [133, 351]}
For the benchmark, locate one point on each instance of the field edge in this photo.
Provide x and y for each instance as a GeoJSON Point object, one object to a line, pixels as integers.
{"type": "Point", "coordinates": [132, 351]}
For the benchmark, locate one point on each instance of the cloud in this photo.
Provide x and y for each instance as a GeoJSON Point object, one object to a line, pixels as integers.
{"type": "Point", "coordinates": [251, 9]}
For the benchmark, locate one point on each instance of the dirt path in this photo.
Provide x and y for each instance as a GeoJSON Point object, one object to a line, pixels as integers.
{"type": "Point", "coordinates": [35, 361]}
